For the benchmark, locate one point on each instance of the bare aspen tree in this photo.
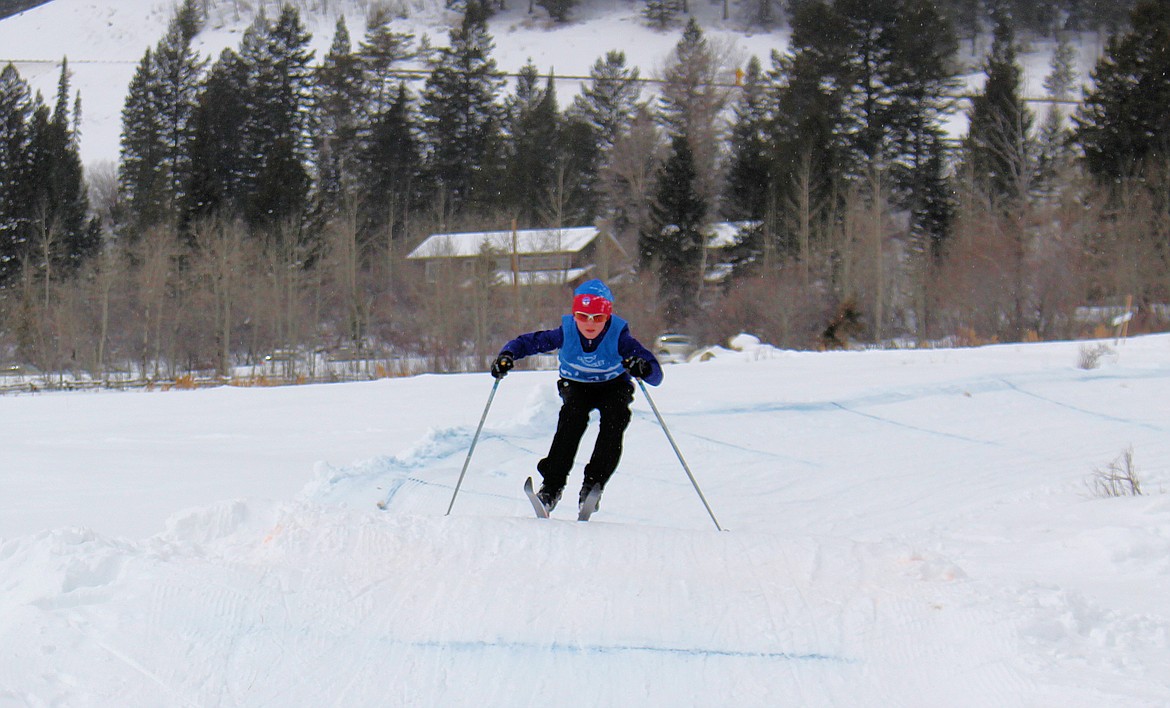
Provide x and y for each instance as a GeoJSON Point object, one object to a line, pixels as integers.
{"type": "Point", "coordinates": [156, 251]}
{"type": "Point", "coordinates": [877, 226]}
{"type": "Point", "coordinates": [344, 260]}
{"type": "Point", "coordinates": [802, 212]}
{"type": "Point", "coordinates": [219, 258]}
{"type": "Point", "coordinates": [105, 275]}
{"type": "Point", "coordinates": [627, 180]}
{"type": "Point", "coordinates": [291, 319]}
{"type": "Point", "coordinates": [1133, 260]}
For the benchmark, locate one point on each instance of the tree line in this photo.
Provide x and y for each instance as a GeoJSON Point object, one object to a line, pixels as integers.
{"type": "Point", "coordinates": [265, 202]}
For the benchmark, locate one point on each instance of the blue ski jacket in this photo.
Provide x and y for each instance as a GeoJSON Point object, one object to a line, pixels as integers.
{"type": "Point", "coordinates": [589, 360]}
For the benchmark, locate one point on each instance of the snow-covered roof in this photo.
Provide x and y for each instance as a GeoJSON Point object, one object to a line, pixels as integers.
{"type": "Point", "coordinates": [528, 242]}
{"type": "Point", "coordinates": [725, 233]}
{"type": "Point", "coordinates": [543, 277]}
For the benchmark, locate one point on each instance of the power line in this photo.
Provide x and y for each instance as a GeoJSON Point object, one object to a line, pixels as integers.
{"type": "Point", "coordinates": [423, 74]}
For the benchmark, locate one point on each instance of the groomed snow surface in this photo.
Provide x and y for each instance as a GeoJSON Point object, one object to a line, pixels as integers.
{"type": "Point", "coordinates": [905, 528]}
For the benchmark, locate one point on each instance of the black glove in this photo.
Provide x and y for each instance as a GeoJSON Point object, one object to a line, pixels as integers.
{"type": "Point", "coordinates": [502, 365]}
{"type": "Point", "coordinates": [638, 367]}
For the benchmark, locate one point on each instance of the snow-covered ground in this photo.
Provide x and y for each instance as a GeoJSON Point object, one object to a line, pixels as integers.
{"type": "Point", "coordinates": [104, 41]}
{"type": "Point", "coordinates": [905, 528]}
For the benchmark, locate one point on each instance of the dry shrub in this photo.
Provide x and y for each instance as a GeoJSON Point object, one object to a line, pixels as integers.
{"type": "Point", "coordinates": [1090, 355]}
{"type": "Point", "coordinates": [1118, 479]}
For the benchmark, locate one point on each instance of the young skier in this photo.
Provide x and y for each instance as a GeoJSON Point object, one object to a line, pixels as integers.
{"type": "Point", "coordinates": [597, 357]}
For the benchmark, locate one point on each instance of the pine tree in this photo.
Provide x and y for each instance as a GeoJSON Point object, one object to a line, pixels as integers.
{"type": "Point", "coordinates": [461, 116]}
{"type": "Point", "coordinates": [809, 128]}
{"type": "Point", "coordinates": [141, 182]}
{"type": "Point", "coordinates": [178, 69]}
{"type": "Point", "coordinates": [340, 119]}
{"type": "Point", "coordinates": [578, 174]}
{"type": "Point", "coordinates": [219, 169]}
{"type": "Point", "coordinates": [1124, 125]}
{"type": "Point", "coordinates": [921, 78]}
{"type": "Point", "coordinates": [1053, 142]}
{"type": "Point", "coordinates": [691, 103]}
{"type": "Point", "coordinates": [155, 165]}
{"type": "Point", "coordinates": [534, 149]}
{"type": "Point", "coordinates": [673, 240]}
{"type": "Point", "coordinates": [661, 14]}
{"type": "Point", "coordinates": [380, 51]}
{"type": "Point", "coordinates": [16, 108]}
{"type": "Point", "coordinates": [390, 165]}
{"type": "Point", "coordinates": [608, 102]}
{"type": "Point", "coordinates": [596, 119]}
{"type": "Point", "coordinates": [932, 201]}
{"type": "Point", "coordinates": [898, 71]}
{"type": "Point", "coordinates": [63, 236]}
{"type": "Point", "coordinates": [558, 10]}
{"type": "Point", "coordinates": [276, 132]}
{"type": "Point", "coordinates": [998, 143]}
{"type": "Point", "coordinates": [746, 193]}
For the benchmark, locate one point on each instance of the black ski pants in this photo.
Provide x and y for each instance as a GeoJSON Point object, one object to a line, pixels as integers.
{"type": "Point", "coordinates": [612, 399]}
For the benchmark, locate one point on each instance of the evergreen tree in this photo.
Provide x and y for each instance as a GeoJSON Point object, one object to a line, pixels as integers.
{"type": "Point", "coordinates": [662, 13]}
{"type": "Point", "coordinates": [558, 10]}
{"type": "Point", "coordinates": [534, 153]}
{"type": "Point", "coordinates": [340, 117]}
{"type": "Point", "coordinates": [691, 103]}
{"type": "Point", "coordinates": [608, 102]}
{"type": "Point", "coordinates": [391, 164]}
{"type": "Point", "coordinates": [219, 172]}
{"type": "Point", "coordinates": [62, 234]}
{"type": "Point", "coordinates": [762, 13]}
{"type": "Point", "coordinates": [276, 132]}
{"type": "Point", "coordinates": [1124, 124]}
{"type": "Point", "coordinates": [380, 51]}
{"type": "Point", "coordinates": [932, 202]}
{"type": "Point", "coordinates": [461, 117]}
{"type": "Point", "coordinates": [863, 90]}
{"type": "Point", "coordinates": [15, 114]}
{"type": "Point", "coordinates": [1108, 17]}
{"type": "Point", "coordinates": [809, 128]}
{"type": "Point", "coordinates": [746, 194]}
{"type": "Point", "coordinates": [141, 182]}
{"type": "Point", "coordinates": [1054, 148]}
{"type": "Point", "coordinates": [966, 16]}
{"type": "Point", "coordinates": [998, 143]}
{"type": "Point", "coordinates": [673, 240]}
{"type": "Point", "coordinates": [921, 78]}
{"type": "Point", "coordinates": [598, 116]}
{"type": "Point", "coordinates": [898, 72]}
{"type": "Point", "coordinates": [155, 166]}
{"type": "Point", "coordinates": [578, 173]}
{"type": "Point", "coordinates": [178, 69]}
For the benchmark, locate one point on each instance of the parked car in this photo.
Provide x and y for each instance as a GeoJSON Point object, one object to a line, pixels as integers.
{"type": "Point", "coordinates": [673, 348]}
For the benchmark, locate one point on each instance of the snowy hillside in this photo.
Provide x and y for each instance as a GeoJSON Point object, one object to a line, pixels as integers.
{"type": "Point", "coordinates": [104, 40]}
{"type": "Point", "coordinates": [905, 529]}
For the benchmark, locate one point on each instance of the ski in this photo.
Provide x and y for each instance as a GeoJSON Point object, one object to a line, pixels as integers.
{"type": "Point", "coordinates": [590, 504]}
{"type": "Point", "coordinates": [537, 505]}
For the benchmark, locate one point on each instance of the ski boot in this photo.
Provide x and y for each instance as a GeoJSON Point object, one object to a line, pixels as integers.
{"type": "Point", "coordinates": [549, 496]}
{"type": "Point", "coordinates": [585, 489]}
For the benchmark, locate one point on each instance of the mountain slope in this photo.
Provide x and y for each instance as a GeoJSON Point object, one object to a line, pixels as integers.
{"type": "Point", "coordinates": [105, 40]}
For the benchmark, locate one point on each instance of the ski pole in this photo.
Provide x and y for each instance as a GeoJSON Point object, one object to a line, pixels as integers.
{"type": "Point", "coordinates": [676, 451]}
{"type": "Point", "coordinates": [472, 449]}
